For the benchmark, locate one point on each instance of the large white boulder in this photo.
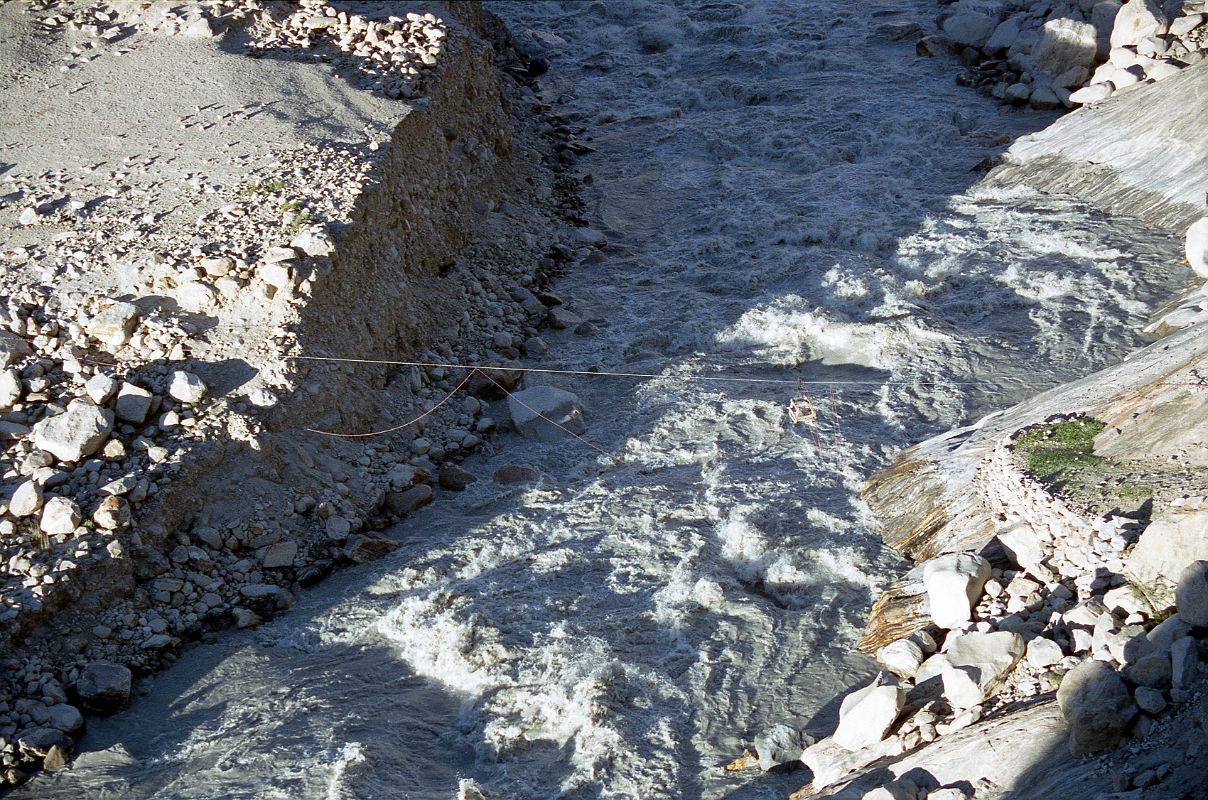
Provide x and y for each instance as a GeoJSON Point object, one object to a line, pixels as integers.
{"type": "Point", "coordinates": [1064, 43]}
{"type": "Point", "coordinates": [866, 715]}
{"type": "Point", "coordinates": [60, 516]}
{"type": "Point", "coordinates": [546, 413]}
{"type": "Point", "coordinates": [1197, 247]}
{"type": "Point", "coordinates": [953, 582]}
{"type": "Point", "coordinates": [1136, 21]}
{"type": "Point", "coordinates": [75, 433]}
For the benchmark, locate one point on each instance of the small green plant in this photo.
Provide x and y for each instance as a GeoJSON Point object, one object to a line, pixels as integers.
{"type": "Point", "coordinates": [262, 188]}
{"type": "Point", "coordinates": [298, 221]}
{"type": "Point", "coordinates": [1051, 452]}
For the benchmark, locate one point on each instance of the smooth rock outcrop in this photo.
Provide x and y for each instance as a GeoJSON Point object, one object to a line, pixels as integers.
{"type": "Point", "coordinates": [79, 431]}
{"type": "Point", "coordinates": [1097, 705]}
{"type": "Point", "coordinates": [546, 413]}
{"type": "Point", "coordinates": [953, 583]}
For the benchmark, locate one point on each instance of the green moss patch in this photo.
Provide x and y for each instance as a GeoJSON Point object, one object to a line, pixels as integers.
{"type": "Point", "coordinates": [1055, 451]}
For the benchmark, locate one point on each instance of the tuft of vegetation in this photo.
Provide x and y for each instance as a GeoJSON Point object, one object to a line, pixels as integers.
{"type": "Point", "coordinates": [1055, 451]}
{"type": "Point", "coordinates": [262, 188]}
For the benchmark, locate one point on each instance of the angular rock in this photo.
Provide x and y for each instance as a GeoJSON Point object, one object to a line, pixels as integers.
{"type": "Point", "coordinates": [1097, 706]}
{"type": "Point", "coordinates": [269, 594]}
{"type": "Point", "coordinates": [780, 745]}
{"type": "Point", "coordinates": [866, 715]}
{"type": "Point", "coordinates": [12, 349]}
{"type": "Point", "coordinates": [1043, 652]}
{"type": "Point", "coordinates": [39, 741]}
{"type": "Point", "coordinates": [361, 549]}
{"type": "Point", "coordinates": [60, 516]}
{"type": "Point", "coordinates": [245, 618]}
{"type": "Point", "coordinates": [1184, 663]}
{"type": "Point", "coordinates": [560, 318]}
{"type": "Point", "coordinates": [829, 762]}
{"type": "Point", "coordinates": [975, 663]}
{"type": "Point", "coordinates": [409, 501]}
{"type": "Point", "coordinates": [114, 325]}
{"type": "Point", "coordinates": [1004, 36]}
{"type": "Point", "coordinates": [26, 500]}
{"type": "Point", "coordinates": [186, 387]}
{"type": "Point", "coordinates": [132, 403]}
{"type": "Point", "coordinates": [313, 242]}
{"type": "Point", "coordinates": [454, 478]}
{"type": "Point", "coordinates": [1153, 670]}
{"type": "Point", "coordinates": [1149, 700]}
{"type": "Point", "coordinates": [1094, 93]}
{"type": "Point", "coordinates": [546, 413]}
{"type": "Point", "coordinates": [100, 388]}
{"type": "Point", "coordinates": [10, 389]}
{"type": "Point", "coordinates": [104, 687]}
{"type": "Point", "coordinates": [112, 514]}
{"type": "Point", "coordinates": [515, 473]}
{"type": "Point", "coordinates": [953, 583]}
{"type": "Point", "coordinates": [280, 554]}
{"type": "Point", "coordinates": [195, 297]}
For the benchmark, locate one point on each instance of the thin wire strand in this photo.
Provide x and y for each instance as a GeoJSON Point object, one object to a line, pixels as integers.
{"type": "Point", "coordinates": [446, 399]}
{"type": "Point", "coordinates": [782, 381]}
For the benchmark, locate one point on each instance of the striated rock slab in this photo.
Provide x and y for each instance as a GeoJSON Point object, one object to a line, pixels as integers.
{"type": "Point", "coordinates": [1115, 156]}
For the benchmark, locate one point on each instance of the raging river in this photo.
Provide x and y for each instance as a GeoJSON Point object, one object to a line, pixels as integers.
{"type": "Point", "coordinates": [787, 196]}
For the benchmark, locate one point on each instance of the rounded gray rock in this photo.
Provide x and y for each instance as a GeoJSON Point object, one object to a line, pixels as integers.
{"type": "Point", "coordinates": [1097, 705]}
